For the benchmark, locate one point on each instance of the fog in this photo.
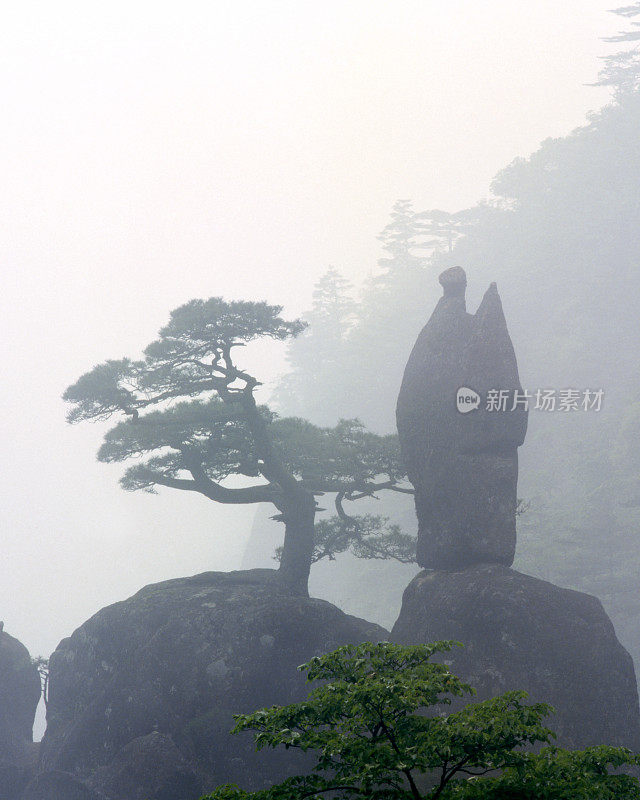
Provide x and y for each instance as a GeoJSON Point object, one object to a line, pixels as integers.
{"type": "Point", "coordinates": [155, 152]}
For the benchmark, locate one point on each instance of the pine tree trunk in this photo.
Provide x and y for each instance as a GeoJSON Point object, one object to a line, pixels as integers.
{"type": "Point", "coordinates": [295, 563]}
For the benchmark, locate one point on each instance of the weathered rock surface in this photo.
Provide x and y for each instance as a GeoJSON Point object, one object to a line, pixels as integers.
{"type": "Point", "coordinates": [19, 690]}
{"type": "Point", "coordinates": [19, 697]}
{"type": "Point", "coordinates": [464, 466]}
{"type": "Point", "coordinates": [154, 681]}
{"type": "Point", "coordinates": [58, 785]}
{"type": "Point", "coordinates": [149, 767]}
{"type": "Point", "coordinates": [520, 632]}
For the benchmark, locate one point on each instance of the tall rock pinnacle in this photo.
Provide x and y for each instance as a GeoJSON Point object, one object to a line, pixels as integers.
{"type": "Point", "coordinates": [464, 466]}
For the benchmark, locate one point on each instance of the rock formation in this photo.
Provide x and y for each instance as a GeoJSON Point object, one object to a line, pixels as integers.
{"type": "Point", "coordinates": [19, 697]}
{"type": "Point", "coordinates": [142, 695]}
{"type": "Point", "coordinates": [57, 785]}
{"type": "Point", "coordinates": [464, 466]}
{"type": "Point", "coordinates": [518, 632]}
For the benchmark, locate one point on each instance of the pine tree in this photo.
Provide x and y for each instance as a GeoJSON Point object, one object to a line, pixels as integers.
{"type": "Point", "coordinates": [315, 355]}
{"type": "Point", "coordinates": [622, 69]}
{"type": "Point", "coordinates": [394, 305]}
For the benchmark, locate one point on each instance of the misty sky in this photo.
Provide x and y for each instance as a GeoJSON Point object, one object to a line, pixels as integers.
{"type": "Point", "coordinates": [155, 152]}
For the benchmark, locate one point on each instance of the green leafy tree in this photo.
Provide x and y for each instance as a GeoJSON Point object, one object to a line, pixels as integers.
{"type": "Point", "coordinates": [378, 728]}
{"type": "Point", "coordinates": [557, 774]}
{"type": "Point", "coordinates": [220, 431]}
